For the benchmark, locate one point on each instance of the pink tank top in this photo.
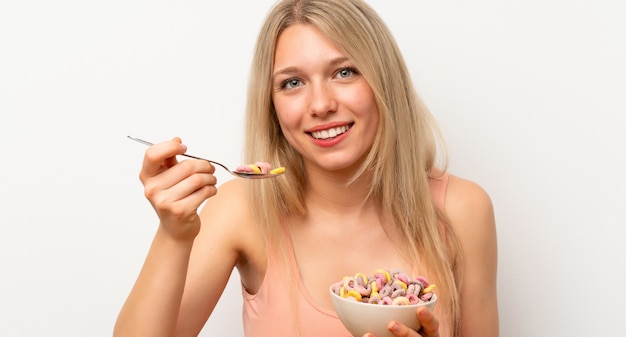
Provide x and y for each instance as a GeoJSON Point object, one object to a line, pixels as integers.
{"type": "Point", "coordinates": [269, 312]}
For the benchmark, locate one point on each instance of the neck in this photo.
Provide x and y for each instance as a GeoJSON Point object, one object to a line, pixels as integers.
{"type": "Point", "coordinates": [329, 191]}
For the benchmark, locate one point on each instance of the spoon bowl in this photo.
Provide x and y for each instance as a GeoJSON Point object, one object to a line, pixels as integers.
{"type": "Point", "coordinates": [245, 175]}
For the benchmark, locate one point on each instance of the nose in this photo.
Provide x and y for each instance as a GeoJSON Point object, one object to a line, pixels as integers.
{"type": "Point", "coordinates": [323, 100]}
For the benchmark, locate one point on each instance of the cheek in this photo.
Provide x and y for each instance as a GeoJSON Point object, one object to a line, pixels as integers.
{"type": "Point", "coordinates": [364, 103]}
{"type": "Point", "coordinates": [285, 119]}
{"type": "Point", "coordinates": [288, 123]}
{"type": "Point", "coordinates": [367, 109]}
{"type": "Point", "coordinates": [288, 112]}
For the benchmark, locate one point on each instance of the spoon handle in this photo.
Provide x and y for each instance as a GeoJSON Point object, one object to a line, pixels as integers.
{"type": "Point", "coordinates": [145, 142]}
{"type": "Point", "coordinates": [247, 175]}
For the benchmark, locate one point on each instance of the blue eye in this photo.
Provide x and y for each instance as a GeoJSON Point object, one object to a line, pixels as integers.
{"type": "Point", "coordinates": [346, 72]}
{"type": "Point", "coordinates": [290, 83]}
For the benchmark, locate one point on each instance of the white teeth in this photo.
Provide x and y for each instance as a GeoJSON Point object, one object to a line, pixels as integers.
{"type": "Point", "coordinates": [330, 133]}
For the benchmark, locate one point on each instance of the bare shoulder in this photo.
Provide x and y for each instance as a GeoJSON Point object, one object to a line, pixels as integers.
{"type": "Point", "coordinates": [226, 228]}
{"type": "Point", "coordinates": [228, 214]}
{"type": "Point", "coordinates": [228, 223]}
{"type": "Point", "coordinates": [466, 199]}
{"type": "Point", "coordinates": [469, 209]}
{"type": "Point", "coordinates": [232, 193]}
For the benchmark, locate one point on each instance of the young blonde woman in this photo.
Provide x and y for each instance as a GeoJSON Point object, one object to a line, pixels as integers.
{"type": "Point", "coordinates": [331, 100]}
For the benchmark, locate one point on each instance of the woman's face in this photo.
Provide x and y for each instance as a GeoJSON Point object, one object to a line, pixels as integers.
{"type": "Point", "coordinates": [326, 109]}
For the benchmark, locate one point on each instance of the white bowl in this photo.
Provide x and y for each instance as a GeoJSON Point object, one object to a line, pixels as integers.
{"type": "Point", "coordinates": [359, 317]}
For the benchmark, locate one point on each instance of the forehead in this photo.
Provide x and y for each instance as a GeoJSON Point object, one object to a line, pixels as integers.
{"type": "Point", "coordinates": [303, 43]}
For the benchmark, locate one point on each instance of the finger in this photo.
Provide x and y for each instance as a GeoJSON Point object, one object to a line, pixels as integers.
{"type": "Point", "coordinates": [401, 330]}
{"type": "Point", "coordinates": [430, 323]}
{"type": "Point", "coordinates": [179, 181]}
{"type": "Point", "coordinates": [160, 156]}
{"type": "Point", "coordinates": [181, 201]}
{"type": "Point", "coordinates": [191, 184]}
{"type": "Point", "coordinates": [186, 207]}
{"type": "Point", "coordinates": [171, 161]}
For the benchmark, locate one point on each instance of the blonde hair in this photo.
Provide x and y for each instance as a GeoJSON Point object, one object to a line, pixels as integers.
{"type": "Point", "coordinates": [402, 158]}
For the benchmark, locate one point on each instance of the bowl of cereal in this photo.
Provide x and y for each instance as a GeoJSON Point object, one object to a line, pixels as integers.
{"type": "Point", "coordinates": [367, 303]}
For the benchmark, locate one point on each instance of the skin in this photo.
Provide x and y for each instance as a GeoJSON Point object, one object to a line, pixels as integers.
{"type": "Point", "coordinates": [317, 89]}
{"type": "Point", "coordinates": [193, 255]}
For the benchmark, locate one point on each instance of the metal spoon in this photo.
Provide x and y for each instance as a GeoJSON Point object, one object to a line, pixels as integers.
{"type": "Point", "coordinates": [247, 175]}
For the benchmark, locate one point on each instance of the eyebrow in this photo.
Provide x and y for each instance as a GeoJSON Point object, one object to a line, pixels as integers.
{"type": "Point", "coordinates": [291, 70]}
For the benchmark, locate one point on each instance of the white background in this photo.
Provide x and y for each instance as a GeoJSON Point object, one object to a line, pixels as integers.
{"type": "Point", "coordinates": [529, 94]}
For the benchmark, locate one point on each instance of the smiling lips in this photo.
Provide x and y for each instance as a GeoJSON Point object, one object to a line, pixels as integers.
{"type": "Point", "coordinates": [330, 133]}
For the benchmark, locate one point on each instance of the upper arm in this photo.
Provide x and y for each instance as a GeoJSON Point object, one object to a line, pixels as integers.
{"type": "Point", "coordinates": [214, 254]}
{"type": "Point", "coordinates": [470, 211]}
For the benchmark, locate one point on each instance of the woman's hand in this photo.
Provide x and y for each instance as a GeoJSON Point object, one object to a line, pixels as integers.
{"type": "Point", "coordinates": [176, 189]}
{"type": "Point", "coordinates": [430, 326]}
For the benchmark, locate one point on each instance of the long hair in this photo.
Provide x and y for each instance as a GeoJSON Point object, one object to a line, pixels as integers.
{"type": "Point", "coordinates": [403, 156]}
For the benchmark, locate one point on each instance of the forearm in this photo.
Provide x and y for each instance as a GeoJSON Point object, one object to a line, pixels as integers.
{"type": "Point", "coordinates": [153, 305]}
